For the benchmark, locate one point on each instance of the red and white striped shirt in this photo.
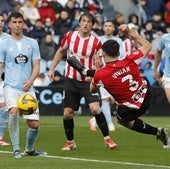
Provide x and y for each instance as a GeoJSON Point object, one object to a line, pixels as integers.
{"type": "Point", "coordinates": [129, 46]}
{"type": "Point", "coordinates": [84, 49]}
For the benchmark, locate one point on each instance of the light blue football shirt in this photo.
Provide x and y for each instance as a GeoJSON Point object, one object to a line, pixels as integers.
{"type": "Point", "coordinates": [121, 49]}
{"type": "Point", "coordinates": [3, 37]}
{"type": "Point", "coordinates": [17, 56]}
{"type": "Point", "coordinates": [164, 46]}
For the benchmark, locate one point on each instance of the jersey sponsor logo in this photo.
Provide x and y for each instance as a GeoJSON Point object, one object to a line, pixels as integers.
{"type": "Point", "coordinates": [21, 59]}
{"type": "Point", "coordinates": [139, 93]}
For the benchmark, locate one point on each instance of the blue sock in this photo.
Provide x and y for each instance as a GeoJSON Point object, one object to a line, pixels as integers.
{"type": "Point", "coordinates": [30, 139]}
{"type": "Point", "coordinates": [13, 127]}
{"type": "Point", "coordinates": [3, 121]}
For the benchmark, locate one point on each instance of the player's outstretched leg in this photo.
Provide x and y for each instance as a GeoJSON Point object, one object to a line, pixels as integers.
{"type": "Point", "coordinates": [80, 68]}
{"type": "Point", "coordinates": [75, 64]}
{"type": "Point", "coordinates": [162, 135]}
{"type": "Point", "coordinates": [142, 127]}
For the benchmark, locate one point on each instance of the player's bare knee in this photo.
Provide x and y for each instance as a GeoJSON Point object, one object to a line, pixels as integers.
{"type": "Point", "coordinates": [68, 113]}
{"type": "Point", "coordinates": [95, 108]}
{"type": "Point", "coordinates": [34, 124]}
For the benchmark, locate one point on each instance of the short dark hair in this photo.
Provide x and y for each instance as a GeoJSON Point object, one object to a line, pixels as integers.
{"type": "Point", "coordinates": [109, 20]}
{"type": "Point", "coordinates": [89, 15]}
{"type": "Point", "coordinates": [111, 48]}
{"type": "Point", "coordinates": [15, 15]}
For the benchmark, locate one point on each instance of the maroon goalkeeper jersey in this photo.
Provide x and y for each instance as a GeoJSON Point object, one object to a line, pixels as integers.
{"type": "Point", "coordinates": [123, 81]}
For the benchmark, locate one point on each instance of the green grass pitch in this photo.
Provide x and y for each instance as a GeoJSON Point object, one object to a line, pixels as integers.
{"type": "Point", "coordinates": [135, 151]}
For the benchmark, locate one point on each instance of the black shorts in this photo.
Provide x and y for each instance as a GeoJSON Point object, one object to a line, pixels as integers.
{"type": "Point", "coordinates": [126, 114]}
{"type": "Point", "coordinates": [73, 92]}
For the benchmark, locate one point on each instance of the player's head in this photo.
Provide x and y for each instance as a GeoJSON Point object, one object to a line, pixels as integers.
{"type": "Point", "coordinates": [15, 15]}
{"type": "Point", "coordinates": [89, 16]}
{"type": "Point", "coordinates": [111, 48]}
{"type": "Point", "coordinates": [109, 27]}
{"type": "Point", "coordinates": [16, 24]}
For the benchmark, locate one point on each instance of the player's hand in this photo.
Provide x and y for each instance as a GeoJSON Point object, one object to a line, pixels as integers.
{"type": "Point", "coordinates": [51, 75]}
{"type": "Point", "coordinates": [27, 85]}
{"type": "Point", "coordinates": [157, 77]}
{"type": "Point", "coordinates": [88, 79]}
{"type": "Point", "coordinates": [123, 28]}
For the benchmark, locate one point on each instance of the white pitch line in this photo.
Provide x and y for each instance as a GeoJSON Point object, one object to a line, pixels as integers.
{"type": "Point", "coordinates": [99, 161]}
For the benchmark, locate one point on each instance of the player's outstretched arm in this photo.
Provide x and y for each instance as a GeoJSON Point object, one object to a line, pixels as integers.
{"type": "Point", "coordinates": [79, 67]}
{"type": "Point", "coordinates": [145, 44]}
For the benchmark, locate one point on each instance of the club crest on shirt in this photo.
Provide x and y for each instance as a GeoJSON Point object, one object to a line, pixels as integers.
{"type": "Point", "coordinates": [21, 59]}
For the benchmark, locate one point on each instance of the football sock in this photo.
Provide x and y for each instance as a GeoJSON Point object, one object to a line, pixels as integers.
{"type": "Point", "coordinates": [102, 124]}
{"type": "Point", "coordinates": [30, 139]}
{"type": "Point", "coordinates": [3, 121]}
{"type": "Point", "coordinates": [106, 110]}
{"type": "Point", "coordinates": [93, 122]}
{"type": "Point", "coordinates": [142, 127]}
{"type": "Point", "coordinates": [13, 127]}
{"type": "Point", "coordinates": [68, 127]}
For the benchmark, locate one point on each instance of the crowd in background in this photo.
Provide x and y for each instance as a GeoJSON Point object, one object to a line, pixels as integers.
{"type": "Point", "coordinates": [48, 21]}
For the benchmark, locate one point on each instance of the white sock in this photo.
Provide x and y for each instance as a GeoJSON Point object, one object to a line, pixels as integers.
{"type": "Point", "coordinates": [93, 122]}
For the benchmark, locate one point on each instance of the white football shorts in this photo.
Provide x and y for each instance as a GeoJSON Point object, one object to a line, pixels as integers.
{"type": "Point", "coordinates": [165, 81]}
{"type": "Point", "coordinates": [11, 96]}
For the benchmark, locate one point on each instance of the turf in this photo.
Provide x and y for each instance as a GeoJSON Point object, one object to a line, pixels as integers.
{"type": "Point", "coordinates": [135, 151]}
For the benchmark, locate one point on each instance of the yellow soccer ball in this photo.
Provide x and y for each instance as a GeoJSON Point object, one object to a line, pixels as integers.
{"type": "Point", "coordinates": [27, 104]}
